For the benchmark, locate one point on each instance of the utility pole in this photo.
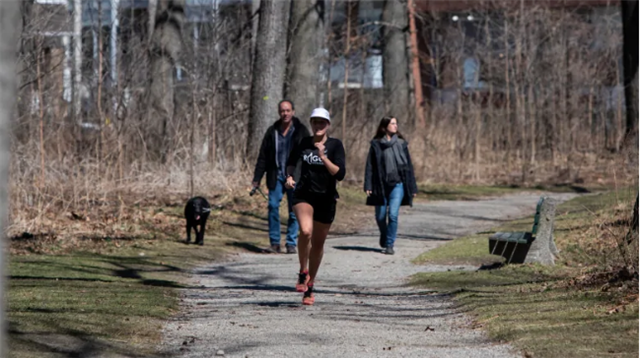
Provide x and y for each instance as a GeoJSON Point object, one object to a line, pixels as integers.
{"type": "Point", "coordinates": [415, 65]}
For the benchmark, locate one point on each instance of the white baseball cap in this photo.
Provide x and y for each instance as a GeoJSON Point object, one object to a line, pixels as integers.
{"type": "Point", "coordinates": [320, 113]}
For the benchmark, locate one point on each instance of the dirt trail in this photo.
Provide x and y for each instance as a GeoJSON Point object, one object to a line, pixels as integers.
{"type": "Point", "coordinates": [247, 306]}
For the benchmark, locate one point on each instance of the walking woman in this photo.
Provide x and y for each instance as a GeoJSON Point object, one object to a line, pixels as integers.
{"type": "Point", "coordinates": [314, 198]}
{"type": "Point", "coordinates": [389, 180]}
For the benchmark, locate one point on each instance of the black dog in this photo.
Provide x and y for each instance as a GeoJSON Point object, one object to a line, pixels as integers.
{"type": "Point", "coordinates": [197, 212]}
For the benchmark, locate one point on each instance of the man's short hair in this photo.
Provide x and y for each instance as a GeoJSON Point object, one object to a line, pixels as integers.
{"type": "Point", "coordinates": [287, 101]}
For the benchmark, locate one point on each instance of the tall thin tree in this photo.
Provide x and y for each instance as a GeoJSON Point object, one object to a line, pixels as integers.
{"type": "Point", "coordinates": [9, 27]}
{"type": "Point", "coordinates": [268, 70]}
{"type": "Point", "coordinates": [164, 52]}
{"type": "Point", "coordinates": [77, 56]}
{"type": "Point", "coordinates": [306, 35]}
{"type": "Point", "coordinates": [395, 65]}
{"type": "Point", "coordinates": [629, 13]}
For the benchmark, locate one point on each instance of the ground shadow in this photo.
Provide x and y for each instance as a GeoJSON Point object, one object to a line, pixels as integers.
{"type": "Point", "coordinates": [357, 248]}
{"type": "Point", "coordinates": [245, 226]}
{"type": "Point", "coordinates": [260, 287]}
{"type": "Point", "coordinates": [24, 277]}
{"type": "Point", "coordinates": [423, 237]}
{"type": "Point", "coordinates": [250, 247]}
{"type": "Point", "coordinates": [491, 266]}
{"type": "Point", "coordinates": [572, 187]}
{"type": "Point", "coordinates": [163, 283]}
{"type": "Point", "coordinates": [250, 214]}
{"type": "Point", "coordinates": [68, 344]}
{"type": "Point", "coordinates": [277, 304]}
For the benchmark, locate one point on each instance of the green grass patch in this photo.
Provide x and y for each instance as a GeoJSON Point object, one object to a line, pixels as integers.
{"type": "Point", "coordinates": [109, 292]}
{"type": "Point", "coordinates": [477, 192]}
{"type": "Point", "coordinates": [68, 303]}
{"type": "Point", "coordinates": [469, 250]}
{"type": "Point", "coordinates": [462, 192]}
{"type": "Point", "coordinates": [113, 294]}
{"type": "Point", "coordinates": [452, 281]}
{"type": "Point", "coordinates": [526, 307]}
{"type": "Point", "coordinates": [577, 308]}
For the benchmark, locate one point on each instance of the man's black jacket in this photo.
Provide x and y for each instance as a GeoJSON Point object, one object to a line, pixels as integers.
{"type": "Point", "coordinates": [267, 161]}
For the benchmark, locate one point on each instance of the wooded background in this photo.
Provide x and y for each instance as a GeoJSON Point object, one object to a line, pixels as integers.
{"type": "Point", "coordinates": [120, 101]}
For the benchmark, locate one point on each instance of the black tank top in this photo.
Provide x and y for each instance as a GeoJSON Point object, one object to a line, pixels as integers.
{"type": "Point", "coordinates": [315, 178]}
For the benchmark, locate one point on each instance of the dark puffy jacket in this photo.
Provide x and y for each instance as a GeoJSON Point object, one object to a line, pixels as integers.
{"type": "Point", "coordinates": [373, 176]}
{"type": "Point", "coordinates": [267, 162]}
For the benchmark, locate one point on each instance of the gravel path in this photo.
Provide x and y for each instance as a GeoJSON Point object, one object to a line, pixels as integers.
{"type": "Point", "coordinates": [247, 306]}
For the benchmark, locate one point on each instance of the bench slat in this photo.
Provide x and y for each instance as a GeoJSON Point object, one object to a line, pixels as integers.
{"type": "Point", "coordinates": [517, 237]}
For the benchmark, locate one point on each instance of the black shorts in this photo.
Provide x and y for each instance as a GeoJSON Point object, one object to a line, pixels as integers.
{"type": "Point", "coordinates": [324, 208]}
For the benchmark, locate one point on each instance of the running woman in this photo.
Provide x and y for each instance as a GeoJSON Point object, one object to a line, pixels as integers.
{"type": "Point", "coordinates": [314, 198]}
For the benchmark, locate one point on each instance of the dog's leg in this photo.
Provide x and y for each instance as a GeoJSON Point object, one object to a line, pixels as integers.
{"type": "Point", "coordinates": [189, 232]}
{"type": "Point", "coordinates": [201, 242]}
{"type": "Point", "coordinates": [198, 238]}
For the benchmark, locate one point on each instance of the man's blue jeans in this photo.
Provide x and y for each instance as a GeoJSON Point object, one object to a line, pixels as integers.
{"type": "Point", "coordinates": [275, 197]}
{"type": "Point", "coordinates": [390, 210]}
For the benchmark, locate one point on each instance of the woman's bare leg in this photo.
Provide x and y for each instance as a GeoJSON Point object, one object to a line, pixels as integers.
{"type": "Point", "coordinates": [319, 235]}
{"type": "Point", "coordinates": [304, 213]}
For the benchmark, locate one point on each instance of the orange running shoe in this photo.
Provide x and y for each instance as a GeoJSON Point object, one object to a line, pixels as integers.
{"type": "Point", "coordinates": [303, 279]}
{"type": "Point", "coordinates": [308, 298]}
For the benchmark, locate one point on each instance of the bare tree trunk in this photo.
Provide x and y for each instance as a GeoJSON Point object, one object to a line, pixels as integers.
{"type": "Point", "coordinates": [152, 7]}
{"type": "Point", "coordinates": [25, 43]}
{"type": "Point", "coordinates": [192, 134]}
{"type": "Point", "coordinates": [532, 122]}
{"type": "Point", "coordinates": [507, 81]}
{"type": "Point", "coordinates": [268, 71]}
{"type": "Point", "coordinates": [564, 94]}
{"type": "Point", "coordinates": [362, 110]}
{"type": "Point", "coordinates": [520, 90]}
{"type": "Point", "coordinates": [113, 53]}
{"type": "Point", "coordinates": [415, 67]}
{"type": "Point", "coordinates": [40, 111]}
{"type": "Point", "coordinates": [77, 56]}
{"type": "Point", "coordinates": [633, 229]}
{"type": "Point", "coordinates": [212, 130]}
{"type": "Point", "coordinates": [255, 8]}
{"type": "Point", "coordinates": [328, 37]}
{"type": "Point", "coordinates": [395, 65]}
{"type": "Point", "coordinates": [99, 84]}
{"type": "Point", "coordinates": [352, 12]}
{"type": "Point", "coordinates": [629, 13]}
{"type": "Point", "coordinates": [618, 132]}
{"type": "Point", "coordinates": [306, 35]}
{"type": "Point", "coordinates": [165, 50]}
{"type": "Point", "coordinates": [9, 19]}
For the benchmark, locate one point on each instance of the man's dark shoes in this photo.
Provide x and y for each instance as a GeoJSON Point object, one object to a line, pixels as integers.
{"type": "Point", "coordinates": [291, 249]}
{"type": "Point", "coordinates": [274, 249]}
{"type": "Point", "coordinates": [383, 242]}
{"type": "Point", "coordinates": [389, 250]}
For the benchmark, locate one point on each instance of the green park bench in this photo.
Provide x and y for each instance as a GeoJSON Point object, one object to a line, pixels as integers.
{"type": "Point", "coordinates": [515, 246]}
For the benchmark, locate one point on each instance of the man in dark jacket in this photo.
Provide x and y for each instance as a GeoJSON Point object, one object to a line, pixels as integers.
{"type": "Point", "coordinates": [276, 146]}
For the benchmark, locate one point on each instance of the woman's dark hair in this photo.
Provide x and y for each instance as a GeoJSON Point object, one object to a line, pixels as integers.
{"type": "Point", "coordinates": [382, 128]}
